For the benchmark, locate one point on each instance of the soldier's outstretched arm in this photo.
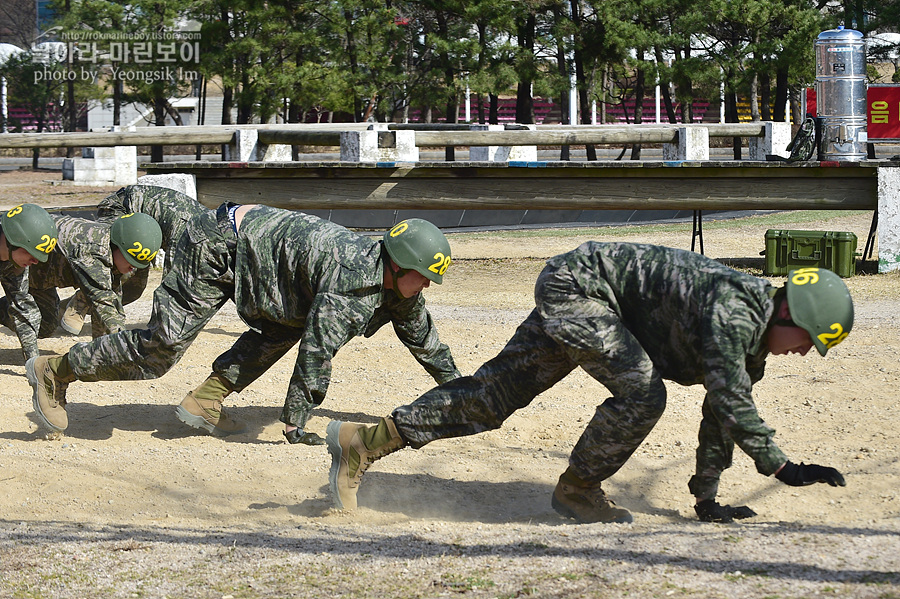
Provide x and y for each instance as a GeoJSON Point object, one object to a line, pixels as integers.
{"type": "Point", "coordinates": [801, 475]}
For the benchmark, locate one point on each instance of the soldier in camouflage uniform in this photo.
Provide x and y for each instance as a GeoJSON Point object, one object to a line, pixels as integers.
{"type": "Point", "coordinates": [91, 256]}
{"type": "Point", "coordinates": [28, 236]}
{"type": "Point", "coordinates": [630, 316]}
{"type": "Point", "coordinates": [171, 209]}
{"type": "Point", "coordinates": [293, 278]}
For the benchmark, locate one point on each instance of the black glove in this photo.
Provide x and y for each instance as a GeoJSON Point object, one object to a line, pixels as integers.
{"type": "Point", "coordinates": [710, 511]}
{"type": "Point", "coordinates": [807, 474]}
{"type": "Point", "coordinates": [298, 436]}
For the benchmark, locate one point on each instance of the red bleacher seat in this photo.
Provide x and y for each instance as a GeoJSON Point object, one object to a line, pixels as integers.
{"type": "Point", "coordinates": [20, 120]}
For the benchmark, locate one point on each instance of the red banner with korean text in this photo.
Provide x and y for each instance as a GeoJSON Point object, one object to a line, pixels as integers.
{"type": "Point", "coordinates": [883, 107]}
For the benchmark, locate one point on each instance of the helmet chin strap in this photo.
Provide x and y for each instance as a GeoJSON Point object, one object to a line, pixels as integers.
{"type": "Point", "coordinates": [395, 274]}
{"type": "Point", "coordinates": [9, 247]}
{"type": "Point", "coordinates": [780, 298]}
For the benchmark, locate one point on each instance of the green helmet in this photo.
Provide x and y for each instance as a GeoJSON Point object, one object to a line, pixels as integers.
{"type": "Point", "coordinates": [138, 237]}
{"type": "Point", "coordinates": [30, 227]}
{"type": "Point", "coordinates": [418, 245]}
{"type": "Point", "coordinates": [820, 303]}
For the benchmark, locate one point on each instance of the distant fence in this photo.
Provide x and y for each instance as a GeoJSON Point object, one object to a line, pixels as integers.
{"type": "Point", "coordinates": [547, 111]}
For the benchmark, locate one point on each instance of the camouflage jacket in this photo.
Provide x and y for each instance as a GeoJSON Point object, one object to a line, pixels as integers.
{"type": "Point", "coordinates": [83, 259]}
{"type": "Point", "coordinates": [23, 310]}
{"type": "Point", "coordinates": [303, 272]}
{"type": "Point", "coordinates": [699, 321]}
{"type": "Point", "coordinates": [170, 208]}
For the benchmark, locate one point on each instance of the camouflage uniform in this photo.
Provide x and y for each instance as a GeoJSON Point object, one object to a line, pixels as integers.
{"type": "Point", "coordinates": [293, 278]}
{"type": "Point", "coordinates": [630, 315]}
{"type": "Point", "coordinates": [171, 209]}
{"type": "Point", "coordinates": [83, 259]}
{"type": "Point", "coordinates": [18, 310]}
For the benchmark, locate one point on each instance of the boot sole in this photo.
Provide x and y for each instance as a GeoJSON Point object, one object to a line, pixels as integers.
{"type": "Point", "coordinates": [71, 329]}
{"type": "Point", "coordinates": [332, 432]}
{"type": "Point", "coordinates": [33, 381]}
{"type": "Point", "coordinates": [200, 422]}
{"type": "Point", "coordinates": [567, 512]}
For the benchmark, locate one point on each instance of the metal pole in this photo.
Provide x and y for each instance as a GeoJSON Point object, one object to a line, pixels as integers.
{"type": "Point", "coordinates": [468, 104]}
{"type": "Point", "coordinates": [4, 117]}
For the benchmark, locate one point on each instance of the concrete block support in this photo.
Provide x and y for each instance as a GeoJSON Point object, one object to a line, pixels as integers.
{"type": "Point", "coordinates": [245, 147]}
{"type": "Point", "coordinates": [502, 153]}
{"type": "Point", "coordinates": [115, 165]}
{"type": "Point", "coordinates": [379, 145]}
{"type": "Point", "coordinates": [692, 144]}
{"type": "Point", "coordinates": [186, 184]}
{"type": "Point", "coordinates": [888, 219]}
{"type": "Point", "coordinates": [775, 140]}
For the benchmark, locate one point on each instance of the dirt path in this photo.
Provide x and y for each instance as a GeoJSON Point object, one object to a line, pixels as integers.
{"type": "Point", "coordinates": [130, 503]}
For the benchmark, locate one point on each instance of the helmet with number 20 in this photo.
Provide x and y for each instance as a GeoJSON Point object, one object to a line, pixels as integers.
{"type": "Point", "coordinates": [418, 245]}
{"type": "Point", "coordinates": [820, 304]}
{"type": "Point", "coordinates": [138, 237]}
{"type": "Point", "coordinates": [30, 227]}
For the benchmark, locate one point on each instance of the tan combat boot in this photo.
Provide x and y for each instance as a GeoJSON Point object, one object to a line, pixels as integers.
{"type": "Point", "coordinates": [49, 397]}
{"type": "Point", "coordinates": [586, 502]}
{"type": "Point", "coordinates": [353, 448]}
{"type": "Point", "coordinates": [73, 311]}
{"type": "Point", "coordinates": [202, 408]}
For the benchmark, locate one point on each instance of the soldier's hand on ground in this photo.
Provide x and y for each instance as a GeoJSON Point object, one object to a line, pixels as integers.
{"type": "Point", "coordinates": [807, 474]}
{"type": "Point", "coordinates": [709, 510]}
{"type": "Point", "coordinates": [299, 436]}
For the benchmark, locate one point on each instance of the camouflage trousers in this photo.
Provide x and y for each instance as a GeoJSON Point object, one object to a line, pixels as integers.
{"type": "Point", "coordinates": [48, 303]}
{"type": "Point", "coordinates": [191, 293]}
{"type": "Point", "coordinates": [566, 330]}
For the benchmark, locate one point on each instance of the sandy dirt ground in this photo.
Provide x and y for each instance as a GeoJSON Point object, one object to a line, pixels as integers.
{"type": "Point", "coordinates": [131, 503]}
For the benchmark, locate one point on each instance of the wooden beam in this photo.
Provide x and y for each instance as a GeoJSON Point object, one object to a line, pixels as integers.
{"type": "Point", "coordinates": [551, 186]}
{"type": "Point", "coordinates": [445, 137]}
{"type": "Point", "coordinates": [544, 138]}
{"type": "Point", "coordinates": [300, 137]}
{"type": "Point", "coordinates": [148, 136]}
{"type": "Point", "coordinates": [573, 194]}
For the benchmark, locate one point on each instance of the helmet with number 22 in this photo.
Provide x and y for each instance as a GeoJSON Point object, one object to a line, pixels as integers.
{"type": "Point", "coordinates": [418, 245]}
{"type": "Point", "coordinates": [820, 304]}
{"type": "Point", "coordinates": [30, 227]}
{"type": "Point", "coordinates": [138, 237]}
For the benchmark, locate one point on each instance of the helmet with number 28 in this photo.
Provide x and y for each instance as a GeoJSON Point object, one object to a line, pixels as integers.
{"type": "Point", "coordinates": [138, 237]}
{"type": "Point", "coordinates": [820, 304]}
{"type": "Point", "coordinates": [418, 245]}
{"type": "Point", "coordinates": [30, 227]}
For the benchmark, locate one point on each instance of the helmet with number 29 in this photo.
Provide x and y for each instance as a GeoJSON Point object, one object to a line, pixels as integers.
{"type": "Point", "coordinates": [30, 227]}
{"type": "Point", "coordinates": [820, 304]}
{"type": "Point", "coordinates": [138, 237]}
{"type": "Point", "coordinates": [418, 245]}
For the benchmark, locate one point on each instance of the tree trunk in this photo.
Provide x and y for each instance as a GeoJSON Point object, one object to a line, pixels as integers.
{"type": "Point", "coordinates": [353, 64]}
{"type": "Point", "coordinates": [159, 113]}
{"type": "Point", "coordinates": [765, 96]}
{"type": "Point", "coordinates": [731, 116]}
{"type": "Point", "coordinates": [562, 67]}
{"type": "Point", "coordinates": [754, 98]}
{"type": "Point", "coordinates": [482, 60]}
{"type": "Point", "coordinates": [524, 101]}
{"type": "Point", "coordinates": [781, 93]}
{"type": "Point", "coordinates": [639, 91]}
